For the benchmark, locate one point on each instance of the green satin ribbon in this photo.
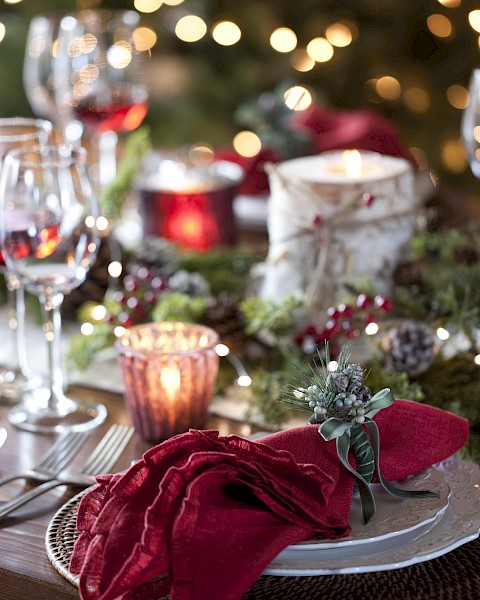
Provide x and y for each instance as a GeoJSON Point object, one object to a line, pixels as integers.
{"type": "Point", "coordinates": [341, 431]}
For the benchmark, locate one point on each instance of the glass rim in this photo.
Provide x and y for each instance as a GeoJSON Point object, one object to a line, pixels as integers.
{"type": "Point", "coordinates": [70, 153]}
{"type": "Point", "coordinates": [42, 125]}
{"type": "Point", "coordinates": [122, 346]}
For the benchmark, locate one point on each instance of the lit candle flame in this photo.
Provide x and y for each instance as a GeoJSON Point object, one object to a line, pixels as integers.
{"type": "Point", "coordinates": [353, 163]}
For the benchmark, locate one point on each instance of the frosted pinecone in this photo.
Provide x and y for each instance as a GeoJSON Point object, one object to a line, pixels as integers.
{"type": "Point", "coordinates": [409, 348]}
{"type": "Point", "coordinates": [193, 284]}
{"type": "Point", "coordinates": [343, 395]}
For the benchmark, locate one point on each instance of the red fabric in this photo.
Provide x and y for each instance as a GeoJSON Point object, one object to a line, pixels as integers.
{"type": "Point", "coordinates": [201, 516]}
{"type": "Point", "coordinates": [329, 129]}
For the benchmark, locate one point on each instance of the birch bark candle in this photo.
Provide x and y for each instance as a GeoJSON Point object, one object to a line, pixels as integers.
{"type": "Point", "coordinates": [338, 218]}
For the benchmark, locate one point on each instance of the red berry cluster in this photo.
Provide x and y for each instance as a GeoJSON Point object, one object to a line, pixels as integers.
{"type": "Point", "coordinates": [345, 320]}
{"type": "Point", "coordinates": [134, 303]}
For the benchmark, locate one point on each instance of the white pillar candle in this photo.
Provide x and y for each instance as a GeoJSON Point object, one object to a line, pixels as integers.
{"type": "Point", "coordinates": [343, 217]}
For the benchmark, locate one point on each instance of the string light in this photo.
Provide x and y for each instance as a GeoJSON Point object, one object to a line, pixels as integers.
{"type": "Point", "coordinates": [247, 144]}
{"type": "Point", "coordinates": [442, 334]}
{"type": "Point", "coordinates": [298, 98]}
{"type": "Point", "coordinates": [474, 20]}
{"type": "Point", "coordinates": [417, 99]}
{"type": "Point", "coordinates": [458, 96]}
{"type": "Point", "coordinates": [147, 6]}
{"type": "Point", "coordinates": [226, 33]}
{"type": "Point", "coordinates": [339, 35]}
{"type": "Point", "coordinates": [388, 87]}
{"type": "Point", "coordinates": [2, 31]}
{"type": "Point", "coordinates": [283, 39]}
{"type": "Point", "coordinates": [190, 28]}
{"type": "Point", "coordinates": [144, 38]}
{"type": "Point", "coordinates": [439, 25]}
{"type": "Point", "coordinates": [301, 60]}
{"type": "Point", "coordinates": [320, 49]}
{"type": "Point", "coordinates": [453, 156]}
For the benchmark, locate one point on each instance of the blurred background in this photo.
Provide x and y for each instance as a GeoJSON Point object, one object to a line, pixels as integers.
{"type": "Point", "coordinates": [218, 66]}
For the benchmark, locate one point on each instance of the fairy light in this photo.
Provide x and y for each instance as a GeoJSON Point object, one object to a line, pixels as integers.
{"type": "Point", "coordinates": [320, 49]}
{"type": "Point", "coordinates": [87, 329]}
{"type": "Point", "coordinates": [144, 38]}
{"type": "Point", "coordinates": [119, 330]}
{"type": "Point", "coordinates": [283, 40]}
{"type": "Point", "coordinates": [339, 35]}
{"type": "Point", "coordinates": [115, 269]}
{"type": "Point", "coordinates": [450, 3]}
{"type": "Point", "coordinates": [476, 360]}
{"type": "Point", "coordinates": [332, 366]}
{"type": "Point", "coordinates": [417, 99]}
{"type": "Point", "coordinates": [120, 54]}
{"type": "Point", "coordinates": [99, 312]}
{"type": "Point", "coordinates": [226, 33]}
{"type": "Point", "coordinates": [453, 156]}
{"type": "Point", "coordinates": [458, 96]}
{"type": "Point", "coordinates": [102, 223]}
{"type": "Point", "coordinates": [190, 28]}
{"type": "Point", "coordinates": [147, 6]}
{"type": "Point", "coordinates": [247, 144]}
{"type": "Point", "coordinates": [442, 334]}
{"type": "Point", "coordinates": [301, 60]}
{"type": "Point", "coordinates": [440, 25]}
{"type": "Point", "coordinates": [298, 98]}
{"type": "Point", "coordinates": [371, 329]}
{"type": "Point", "coordinates": [474, 20]}
{"type": "Point", "coordinates": [388, 87]}
{"type": "Point", "coordinates": [2, 31]}
{"type": "Point", "coordinates": [243, 378]}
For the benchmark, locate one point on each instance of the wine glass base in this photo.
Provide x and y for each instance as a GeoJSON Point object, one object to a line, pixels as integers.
{"type": "Point", "coordinates": [34, 414]}
{"type": "Point", "coordinates": [14, 384]}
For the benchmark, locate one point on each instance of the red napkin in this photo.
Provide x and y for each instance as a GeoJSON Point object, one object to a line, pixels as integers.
{"type": "Point", "coordinates": [329, 129]}
{"type": "Point", "coordinates": [201, 516]}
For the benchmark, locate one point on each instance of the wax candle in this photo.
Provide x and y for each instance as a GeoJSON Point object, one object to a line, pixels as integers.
{"type": "Point", "coordinates": [336, 219]}
{"type": "Point", "coordinates": [188, 204]}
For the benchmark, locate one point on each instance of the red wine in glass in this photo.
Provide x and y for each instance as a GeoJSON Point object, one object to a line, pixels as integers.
{"type": "Point", "coordinates": [30, 236]}
{"type": "Point", "coordinates": [121, 114]}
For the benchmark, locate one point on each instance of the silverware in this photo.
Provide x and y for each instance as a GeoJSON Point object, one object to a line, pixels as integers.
{"type": "Point", "coordinates": [54, 461]}
{"type": "Point", "coordinates": [101, 460]}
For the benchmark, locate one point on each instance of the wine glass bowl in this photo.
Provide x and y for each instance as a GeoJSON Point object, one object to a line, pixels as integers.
{"type": "Point", "coordinates": [470, 126]}
{"type": "Point", "coordinates": [98, 77]}
{"type": "Point", "coordinates": [17, 379]}
{"type": "Point", "coordinates": [48, 229]}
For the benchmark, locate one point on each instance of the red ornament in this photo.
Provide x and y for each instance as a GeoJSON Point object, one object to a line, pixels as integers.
{"type": "Point", "coordinates": [318, 220]}
{"type": "Point", "coordinates": [383, 303]}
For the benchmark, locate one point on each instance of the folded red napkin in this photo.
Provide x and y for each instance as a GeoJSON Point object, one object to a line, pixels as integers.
{"type": "Point", "coordinates": [201, 516]}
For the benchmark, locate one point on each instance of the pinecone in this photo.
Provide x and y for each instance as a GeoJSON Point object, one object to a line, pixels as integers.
{"type": "Point", "coordinates": [158, 255]}
{"type": "Point", "coordinates": [192, 284]}
{"type": "Point", "coordinates": [409, 348]}
{"type": "Point", "coordinates": [224, 316]}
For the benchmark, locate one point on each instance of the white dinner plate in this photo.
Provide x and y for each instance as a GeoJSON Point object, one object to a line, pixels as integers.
{"type": "Point", "coordinates": [394, 516]}
{"type": "Point", "coordinates": [459, 524]}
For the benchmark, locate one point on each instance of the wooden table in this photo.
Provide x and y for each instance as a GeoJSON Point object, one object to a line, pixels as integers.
{"type": "Point", "coordinates": [25, 570]}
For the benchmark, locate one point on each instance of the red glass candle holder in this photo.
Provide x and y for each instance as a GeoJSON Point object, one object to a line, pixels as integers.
{"type": "Point", "coordinates": [190, 205]}
{"type": "Point", "coordinates": [169, 372]}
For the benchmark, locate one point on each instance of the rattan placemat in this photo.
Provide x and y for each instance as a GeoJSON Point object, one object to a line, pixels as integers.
{"type": "Point", "coordinates": [453, 576]}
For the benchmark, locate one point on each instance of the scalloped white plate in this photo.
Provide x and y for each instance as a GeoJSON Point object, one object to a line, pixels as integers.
{"type": "Point", "coordinates": [394, 516]}
{"type": "Point", "coordinates": [459, 524]}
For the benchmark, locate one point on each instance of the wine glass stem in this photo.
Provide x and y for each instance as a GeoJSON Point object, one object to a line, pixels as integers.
{"type": "Point", "coordinates": [107, 158]}
{"type": "Point", "coordinates": [20, 339]}
{"type": "Point", "coordinates": [53, 326]}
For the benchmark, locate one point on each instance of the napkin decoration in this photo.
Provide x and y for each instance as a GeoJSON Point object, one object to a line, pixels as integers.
{"type": "Point", "coordinates": [201, 516]}
{"type": "Point", "coordinates": [344, 405]}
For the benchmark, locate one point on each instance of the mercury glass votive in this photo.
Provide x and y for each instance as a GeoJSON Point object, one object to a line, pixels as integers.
{"type": "Point", "coordinates": [169, 372]}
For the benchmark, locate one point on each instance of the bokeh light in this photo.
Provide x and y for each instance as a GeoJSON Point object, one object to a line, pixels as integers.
{"type": "Point", "coordinates": [298, 98]}
{"type": "Point", "coordinates": [339, 35]}
{"type": "Point", "coordinates": [453, 156]}
{"type": "Point", "coordinates": [320, 49]}
{"type": "Point", "coordinates": [388, 87]}
{"type": "Point", "coordinates": [120, 54]}
{"type": "Point", "coordinates": [247, 143]}
{"type": "Point", "coordinates": [458, 96]}
{"type": "Point", "coordinates": [417, 99]}
{"type": "Point", "coordinates": [226, 33]}
{"type": "Point", "coordinates": [190, 28]}
{"type": "Point", "coordinates": [283, 39]}
{"type": "Point", "coordinates": [440, 25]}
{"type": "Point", "coordinates": [474, 20]}
{"type": "Point", "coordinates": [450, 3]}
{"type": "Point", "coordinates": [147, 6]}
{"type": "Point", "coordinates": [2, 31]}
{"type": "Point", "coordinates": [144, 38]}
{"type": "Point", "coordinates": [301, 60]}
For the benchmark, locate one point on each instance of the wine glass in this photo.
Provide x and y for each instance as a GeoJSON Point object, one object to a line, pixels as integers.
{"type": "Point", "coordinates": [470, 127]}
{"type": "Point", "coordinates": [98, 78]}
{"type": "Point", "coordinates": [48, 215]}
{"type": "Point", "coordinates": [38, 79]}
{"type": "Point", "coordinates": [16, 379]}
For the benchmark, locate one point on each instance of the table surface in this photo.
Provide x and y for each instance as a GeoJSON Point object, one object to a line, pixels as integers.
{"type": "Point", "coordinates": [25, 569]}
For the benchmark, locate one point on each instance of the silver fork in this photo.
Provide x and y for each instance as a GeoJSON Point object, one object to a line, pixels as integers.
{"type": "Point", "coordinates": [101, 460]}
{"type": "Point", "coordinates": [54, 461]}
